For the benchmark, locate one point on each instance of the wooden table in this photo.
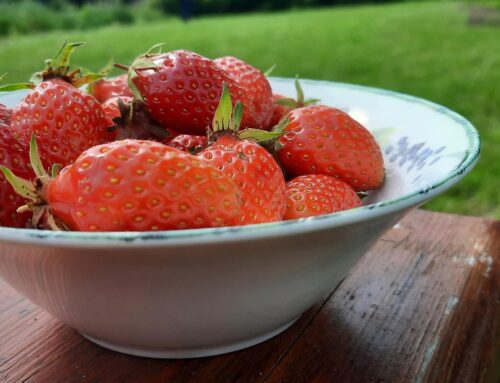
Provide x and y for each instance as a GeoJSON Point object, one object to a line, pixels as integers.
{"type": "Point", "coordinates": [421, 306]}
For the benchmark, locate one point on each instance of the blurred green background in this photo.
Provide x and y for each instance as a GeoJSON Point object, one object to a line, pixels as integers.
{"type": "Point", "coordinates": [444, 51]}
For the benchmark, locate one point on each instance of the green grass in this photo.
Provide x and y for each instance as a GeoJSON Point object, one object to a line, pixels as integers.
{"type": "Point", "coordinates": [425, 49]}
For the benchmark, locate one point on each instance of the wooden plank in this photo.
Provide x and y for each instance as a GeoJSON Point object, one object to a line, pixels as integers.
{"type": "Point", "coordinates": [420, 306]}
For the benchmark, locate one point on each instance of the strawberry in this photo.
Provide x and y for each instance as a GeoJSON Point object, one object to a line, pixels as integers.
{"type": "Point", "coordinates": [104, 89]}
{"type": "Point", "coordinates": [249, 165]}
{"type": "Point", "coordinates": [65, 120]}
{"type": "Point", "coordinates": [5, 115]}
{"type": "Point", "coordinates": [282, 105]}
{"type": "Point", "coordinates": [279, 110]}
{"type": "Point", "coordinates": [256, 86]}
{"type": "Point", "coordinates": [127, 118]}
{"type": "Point", "coordinates": [111, 108]}
{"type": "Point", "coordinates": [133, 185]}
{"type": "Point", "coordinates": [188, 143]}
{"type": "Point", "coordinates": [322, 140]}
{"type": "Point", "coordinates": [13, 155]}
{"type": "Point", "coordinates": [316, 194]}
{"type": "Point", "coordinates": [181, 89]}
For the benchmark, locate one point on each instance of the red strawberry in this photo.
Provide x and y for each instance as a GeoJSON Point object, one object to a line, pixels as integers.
{"type": "Point", "coordinates": [316, 194]}
{"type": "Point", "coordinates": [256, 86]}
{"type": "Point", "coordinates": [5, 114]}
{"type": "Point", "coordinates": [279, 111]}
{"type": "Point", "coordinates": [188, 143]}
{"type": "Point", "coordinates": [249, 165]}
{"type": "Point", "coordinates": [111, 108]}
{"type": "Point", "coordinates": [13, 155]}
{"type": "Point", "coordinates": [65, 120]}
{"type": "Point", "coordinates": [323, 140]}
{"type": "Point", "coordinates": [133, 185]}
{"type": "Point", "coordinates": [104, 89]}
{"type": "Point", "coordinates": [127, 118]}
{"type": "Point", "coordinates": [181, 89]}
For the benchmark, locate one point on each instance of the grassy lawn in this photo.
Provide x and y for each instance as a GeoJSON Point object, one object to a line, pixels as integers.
{"type": "Point", "coordinates": [425, 49]}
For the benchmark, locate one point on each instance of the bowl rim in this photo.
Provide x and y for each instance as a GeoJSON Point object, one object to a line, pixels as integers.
{"type": "Point", "coordinates": [272, 229]}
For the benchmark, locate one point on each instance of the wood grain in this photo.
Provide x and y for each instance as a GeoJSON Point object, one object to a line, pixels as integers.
{"type": "Point", "coordinates": [421, 306]}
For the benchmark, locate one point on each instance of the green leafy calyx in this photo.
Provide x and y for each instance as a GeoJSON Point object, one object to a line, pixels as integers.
{"type": "Point", "coordinates": [300, 101]}
{"type": "Point", "coordinates": [258, 135]}
{"type": "Point", "coordinates": [300, 92]}
{"type": "Point", "coordinates": [142, 63]}
{"type": "Point", "coordinates": [270, 70]}
{"type": "Point", "coordinates": [33, 191]}
{"type": "Point", "coordinates": [227, 119]}
{"type": "Point", "coordinates": [139, 65]}
{"type": "Point", "coordinates": [58, 67]}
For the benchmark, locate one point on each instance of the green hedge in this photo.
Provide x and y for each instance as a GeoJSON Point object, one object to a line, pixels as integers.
{"type": "Point", "coordinates": [29, 16]}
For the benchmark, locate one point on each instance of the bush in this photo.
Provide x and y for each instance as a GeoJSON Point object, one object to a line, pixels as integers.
{"type": "Point", "coordinates": [4, 24]}
{"type": "Point", "coordinates": [29, 16]}
{"type": "Point", "coordinates": [147, 10]}
{"type": "Point", "coordinates": [97, 15]}
{"type": "Point", "coordinates": [26, 16]}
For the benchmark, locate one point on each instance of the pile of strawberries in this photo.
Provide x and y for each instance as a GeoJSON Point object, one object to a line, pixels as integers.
{"type": "Point", "coordinates": [179, 141]}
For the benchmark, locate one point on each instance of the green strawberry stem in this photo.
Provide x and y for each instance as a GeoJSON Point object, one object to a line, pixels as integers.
{"type": "Point", "coordinates": [272, 144]}
{"type": "Point", "coordinates": [269, 140]}
{"type": "Point", "coordinates": [104, 72]}
{"type": "Point", "coordinates": [300, 101]}
{"type": "Point", "coordinates": [311, 101]}
{"type": "Point", "coordinates": [18, 86]}
{"type": "Point", "coordinates": [287, 101]}
{"type": "Point", "coordinates": [24, 188]}
{"type": "Point", "coordinates": [36, 161]}
{"type": "Point", "coordinates": [140, 64]}
{"type": "Point", "coordinates": [56, 168]}
{"type": "Point", "coordinates": [281, 125]}
{"type": "Point", "coordinates": [63, 57]}
{"type": "Point", "coordinates": [58, 68]}
{"type": "Point", "coordinates": [85, 76]}
{"type": "Point", "coordinates": [270, 70]}
{"type": "Point", "coordinates": [121, 66]}
{"type": "Point", "coordinates": [157, 47]}
{"type": "Point", "coordinates": [237, 116]}
{"type": "Point", "coordinates": [300, 92]}
{"type": "Point", "coordinates": [12, 87]}
{"type": "Point", "coordinates": [228, 119]}
{"type": "Point", "coordinates": [258, 135]}
{"type": "Point", "coordinates": [143, 62]}
{"type": "Point", "coordinates": [32, 191]}
{"type": "Point", "coordinates": [107, 68]}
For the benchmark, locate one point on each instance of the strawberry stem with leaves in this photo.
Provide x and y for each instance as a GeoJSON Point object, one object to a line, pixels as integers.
{"type": "Point", "coordinates": [300, 101]}
{"type": "Point", "coordinates": [58, 67]}
{"type": "Point", "coordinates": [228, 119]}
{"type": "Point", "coordinates": [33, 191]}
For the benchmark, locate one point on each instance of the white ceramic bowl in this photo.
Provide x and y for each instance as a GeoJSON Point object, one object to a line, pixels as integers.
{"type": "Point", "coordinates": [192, 293]}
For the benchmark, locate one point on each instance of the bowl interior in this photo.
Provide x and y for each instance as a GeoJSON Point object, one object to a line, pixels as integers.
{"type": "Point", "coordinates": [426, 147]}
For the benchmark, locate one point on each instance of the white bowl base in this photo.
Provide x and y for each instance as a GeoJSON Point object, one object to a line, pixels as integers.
{"type": "Point", "coordinates": [190, 353]}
